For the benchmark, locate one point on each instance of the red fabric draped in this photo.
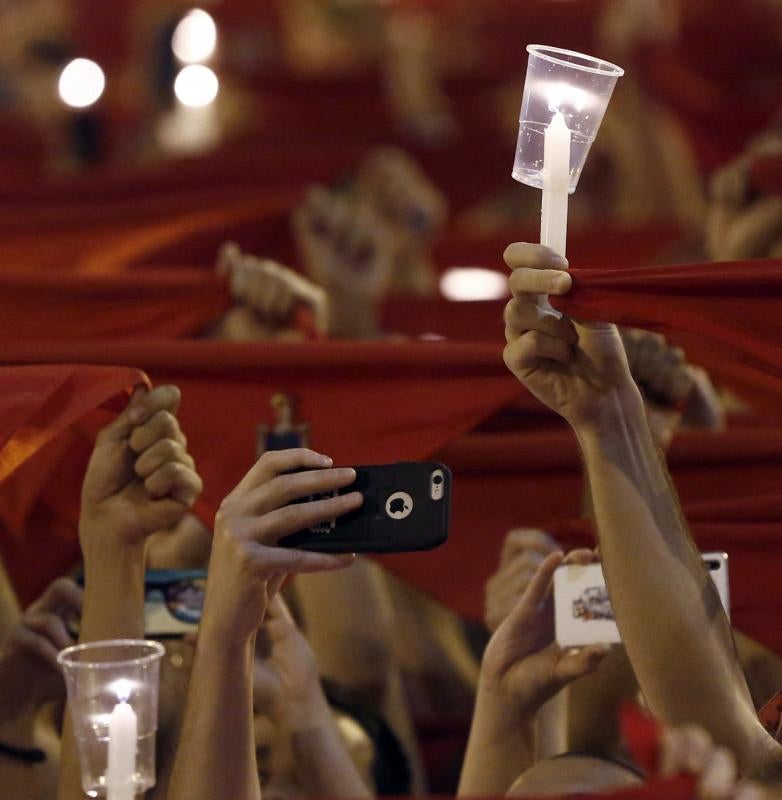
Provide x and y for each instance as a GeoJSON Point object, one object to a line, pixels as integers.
{"type": "Point", "coordinates": [365, 403]}
{"type": "Point", "coordinates": [48, 417]}
{"type": "Point", "coordinates": [143, 303]}
{"type": "Point", "coordinates": [382, 402]}
{"type": "Point", "coordinates": [727, 314]}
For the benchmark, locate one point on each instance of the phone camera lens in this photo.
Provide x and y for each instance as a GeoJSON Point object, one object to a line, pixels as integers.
{"type": "Point", "coordinates": [437, 480]}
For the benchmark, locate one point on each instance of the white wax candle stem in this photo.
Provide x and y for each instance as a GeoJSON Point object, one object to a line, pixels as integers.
{"type": "Point", "coordinates": [121, 764]}
{"type": "Point", "coordinates": [556, 185]}
{"type": "Point", "coordinates": [553, 221]}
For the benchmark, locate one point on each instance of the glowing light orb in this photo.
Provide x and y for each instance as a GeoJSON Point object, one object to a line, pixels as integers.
{"type": "Point", "coordinates": [196, 86]}
{"type": "Point", "coordinates": [473, 283]}
{"type": "Point", "coordinates": [81, 83]}
{"type": "Point", "coordinates": [195, 37]}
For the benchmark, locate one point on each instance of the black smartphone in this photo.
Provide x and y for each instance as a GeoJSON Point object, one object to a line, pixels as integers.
{"type": "Point", "coordinates": [407, 507]}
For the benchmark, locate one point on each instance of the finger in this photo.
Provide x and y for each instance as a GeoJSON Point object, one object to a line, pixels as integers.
{"type": "Point", "coordinates": [527, 283]}
{"type": "Point", "coordinates": [523, 562]}
{"type": "Point", "coordinates": [523, 316]}
{"type": "Point", "coordinates": [273, 588]}
{"type": "Point", "coordinates": [280, 559]}
{"type": "Point", "coordinates": [63, 593]}
{"type": "Point", "coordinates": [275, 463]}
{"type": "Point", "coordinates": [576, 664]}
{"type": "Point", "coordinates": [672, 749]}
{"type": "Point", "coordinates": [228, 257]}
{"type": "Point", "coordinates": [165, 514]}
{"type": "Point", "coordinates": [122, 426]}
{"type": "Point", "coordinates": [51, 627]}
{"type": "Point", "coordinates": [40, 646]}
{"type": "Point", "coordinates": [291, 519]}
{"type": "Point", "coordinates": [581, 557]}
{"type": "Point", "coordinates": [755, 230]}
{"type": "Point", "coordinates": [161, 425]}
{"type": "Point", "coordinates": [719, 776]}
{"type": "Point", "coordinates": [698, 746]}
{"type": "Point", "coordinates": [525, 353]}
{"type": "Point", "coordinates": [528, 539]}
{"type": "Point", "coordinates": [523, 255]}
{"type": "Point", "coordinates": [286, 488]}
{"type": "Point", "coordinates": [279, 620]}
{"type": "Point", "coordinates": [540, 585]}
{"type": "Point", "coordinates": [174, 480]}
{"type": "Point", "coordinates": [164, 451]}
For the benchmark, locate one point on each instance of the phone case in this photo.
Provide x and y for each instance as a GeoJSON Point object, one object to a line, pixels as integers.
{"type": "Point", "coordinates": [407, 507]}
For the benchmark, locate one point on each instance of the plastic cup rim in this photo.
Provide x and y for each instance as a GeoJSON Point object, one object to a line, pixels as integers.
{"type": "Point", "coordinates": [158, 651]}
{"type": "Point", "coordinates": [602, 67]}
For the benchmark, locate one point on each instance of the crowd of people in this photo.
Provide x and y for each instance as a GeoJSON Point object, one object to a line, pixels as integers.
{"type": "Point", "coordinates": [295, 688]}
{"type": "Point", "coordinates": [313, 675]}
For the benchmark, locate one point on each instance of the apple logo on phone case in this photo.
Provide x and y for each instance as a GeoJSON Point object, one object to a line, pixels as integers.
{"type": "Point", "coordinates": [399, 505]}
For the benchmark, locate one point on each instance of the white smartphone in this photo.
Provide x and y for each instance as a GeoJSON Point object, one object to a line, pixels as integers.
{"type": "Point", "coordinates": [582, 608]}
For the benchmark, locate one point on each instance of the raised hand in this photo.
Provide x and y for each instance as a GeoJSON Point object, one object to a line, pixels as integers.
{"type": "Point", "coordinates": [247, 569]}
{"type": "Point", "coordinates": [523, 551]}
{"type": "Point", "coordinates": [345, 245]}
{"type": "Point", "coordinates": [522, 661]}
{"type": "Point", "coordinates": [140, 478]}
{"type": "Point", "coordinates": [270, 291]}
{"type": "Point", "coordinates": [394, 185]}
{"type": "Point", "coordinates": [579, 371]}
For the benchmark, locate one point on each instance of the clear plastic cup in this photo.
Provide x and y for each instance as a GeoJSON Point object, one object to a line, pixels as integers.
{"type": "Point", "coordinates": [99, 676]}
{"type": "Point", "coordinates": [578, 86]}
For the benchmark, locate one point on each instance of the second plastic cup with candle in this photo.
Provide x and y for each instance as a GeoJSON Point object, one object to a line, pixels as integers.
{"type": "Point", "coordinates": [113, 701]}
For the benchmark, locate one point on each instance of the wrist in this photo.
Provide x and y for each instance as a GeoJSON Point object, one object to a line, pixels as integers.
{"type": "Point", "coordinates": [101, 542]}
{"type": "Point", "coordinates": [622, 408]}
{"type": "Point", "coordinates": [308, 710]}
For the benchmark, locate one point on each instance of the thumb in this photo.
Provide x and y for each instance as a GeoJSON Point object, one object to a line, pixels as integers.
{"type": "Point", "coordinates": [123, 424]}
{"type": "Point", "coordinates": [577, 663]}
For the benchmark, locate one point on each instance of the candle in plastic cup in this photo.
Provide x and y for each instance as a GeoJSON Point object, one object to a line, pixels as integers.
{"type": "Point", "coordinates": [113, 693]}
{"type": "Point", "coordinates": [564, 82]}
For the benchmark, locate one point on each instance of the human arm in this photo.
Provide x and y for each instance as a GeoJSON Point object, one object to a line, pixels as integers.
{"type": "Point", "coordinates": [140, 479]}
{"type": "Point", "coordinates": [322, 761]}
{"type": "Point", "coordinates": [670, 616]}
{"type": "Point", "coordinates": [216, 754]}
{"type": "Point", "coordinates": [522, 669]}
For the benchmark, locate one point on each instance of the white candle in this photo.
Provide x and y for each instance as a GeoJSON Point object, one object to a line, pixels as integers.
{"type": "Point", "coordinates": [123, 740]}
{"type": "Point", "coordinates": [556, 184]}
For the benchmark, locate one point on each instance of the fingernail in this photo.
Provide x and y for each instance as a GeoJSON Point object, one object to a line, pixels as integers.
{"type": "Point", "coordinates": [347, 472]}
{"type": "Point", "coordinates": [562, 281]}
{"type": "Point", "coordinates": [136, 414]}
{"type": "Point", "coordinates": [326, 460]}
{"type": "Point", "coordinates": [561, 260]}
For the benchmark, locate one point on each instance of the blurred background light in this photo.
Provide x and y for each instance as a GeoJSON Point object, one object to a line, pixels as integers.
{"type": "Point", "coordinates": [196, 86]}
{"type": "Point", "coordinates": [195, 37]}
{"type": "Point", "coordinates": [81, 83]}
{"type": "Point", "coordinates": [473, 283]}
